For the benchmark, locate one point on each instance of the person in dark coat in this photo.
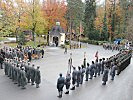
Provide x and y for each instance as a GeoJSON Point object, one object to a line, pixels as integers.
{"type": "Point", "coordinates": [92, 67]}
{"type": "Point", "coordinates": [32, 74]}
{"type": "Point", "coordinates": [70, 63]}
{"type": "Point", "coordinates": [60, 85]}
{"type": "Point", "coordinates": [37, 77]}
{"type": "Point", "coordinates": [74, 78]}
{"type": "Point", "coordinates": [23, 79]}
{"type": "Point", "coordinates": [42, 51]}
{"type": "Point", "coordinates": [5, 66]}
{"type": "Point", "coordinates": [19, 75]}
{"type": "Point", "coordinates": [82, 74]}
{"type": "Point", "coordinates": [105, 76]}
{"type": "Point", "coordinates": [87, 71]}
{"type": "Point", "coordinates": [99, 66]}
{"type": "Point", "coordinates": [65, 52]}
{"type": "Point", "coordinates": [68, 82]}
{"type": "Point", "coordinates": [96, 68]}
{"type": "Point", "coordinates": [29, 55]}
{"type": "Point", "coordinates": [78, 76]}
{"type": "Point", "coordinates": [28, 72]}
{"type": "Point", "coordinates": [103, 65]}
{"type": "Point", "coordinates": [113, 71]}
{"type": "Point", "coordinates": [1, 61]}
{"type": "Point", "coordinates": [16, 69]}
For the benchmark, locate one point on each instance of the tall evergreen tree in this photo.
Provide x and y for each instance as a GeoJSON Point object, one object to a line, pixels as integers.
{"type": "Point", "coordinates": [124, 5]}
{"type": "Point", "coordinates": [89, 18]}
{"type": "Point", "coordinates": [75, 13]}
{"type": "Point", "coordinates": [104, 34]}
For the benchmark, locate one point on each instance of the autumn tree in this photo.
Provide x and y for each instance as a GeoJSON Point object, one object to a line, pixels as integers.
{"type": "Point", "coordinates": [7, 17]}
{"type": "Point", "coordinates": [34, 17]}
{"type": "Point", "coordinates": [54, 11]}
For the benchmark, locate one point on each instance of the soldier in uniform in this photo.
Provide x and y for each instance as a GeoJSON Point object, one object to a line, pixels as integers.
{"type": "Point", "coordinates": [113, 71]}
{"type": "Point", "coordinates": [37, 77]}
{"type": "Point", "coordinates": [32, 73]}
{"type": "Point", "coordinates": [87, 71]}
{"type": "Point", "coordinates": [82, 74]}
{"type": "Point", "coordinates": [42, 51]}
{"type": "Point", "coordinates": [13, 72]}
{"type": "Point", "coordinates": [78, 76]}
{"type": "Point", "coordinates": [74, 78]}
{"type": "Point", "coordinates": [60, 85]}
{"type": "Point", "coordinates": [23, 79]}
{"type": "Point", "coordinates": [103, 64]}
{"type": "Point", "coordinates": [67, 82]}
{"type": "Point", "coordinates": [5, 66]}
{"type": "Point", "coordinates": [16, 73]}
{"type": "Point", "coordinates": [28, 70]}
{"type": "Point", "coordinates": [99, 66]}
{"type": "Point", "coordinates": [96, 68]}
{"type": "Point", "coordinates": [70, 63]}
{"type": "Point", "coordinates": [65, 52]}
{"type": "Point", "coordinates": [1, 61]}
{"type": "Point", "coordinates": [10, 69]}
{"type": "Point", "coordinates": [19, 75]}
{"type": "Point", "coordinates": [29, 55]}
{"type": "Point", "coordinates": [92, 66]}
{"type": "Point", "coordinates": [84, 62]}
{"type": "Point", "coordinates": [105, 76]}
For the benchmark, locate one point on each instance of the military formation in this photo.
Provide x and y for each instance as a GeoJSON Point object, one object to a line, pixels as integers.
{"type": "Point", "coordinates": [109, 46]}
{"type": "Point", "coordinates": [22, 73]}
{"type": "Point", "coordinates": [19, 69]}
{"type": "Point", "coordinates": [100, 67]}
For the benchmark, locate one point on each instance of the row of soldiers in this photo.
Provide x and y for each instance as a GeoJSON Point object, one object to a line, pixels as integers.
{"type": "Point", "coordinates": [109, 46]}
{"type": "Point", "coordinates": [102, 67]}
{"type": "Point", "coordinates": [25, 53]}
{"type": "Point", "coordinates": [22, 73]}
{"type": "Point", "coordinates": [75, 45]}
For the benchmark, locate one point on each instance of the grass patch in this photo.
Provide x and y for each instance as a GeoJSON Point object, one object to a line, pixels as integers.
{"type": "Point", "coordinates": [3, 39]}
{"type": "Point", "coordinates": [12, 44]}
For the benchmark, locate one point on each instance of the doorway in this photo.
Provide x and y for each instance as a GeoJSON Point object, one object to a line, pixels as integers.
{"type": "Point", "coordinates": [55, 40]}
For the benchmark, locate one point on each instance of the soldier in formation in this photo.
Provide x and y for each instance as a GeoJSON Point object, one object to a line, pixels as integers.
{"type": "Point", "coordinates": [109, 46]}
{"type": "Point", "coordinates": [99, 67]}
{"type": "Point", "coordinates": [67, 82]}
{"type": "Point", "coordinates": [22, 73]}
{"type": "Point", "coordinates": [60, 85]}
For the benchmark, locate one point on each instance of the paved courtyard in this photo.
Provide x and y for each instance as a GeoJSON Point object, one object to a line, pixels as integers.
{"type": "Point", "coordinates": [55, 62]}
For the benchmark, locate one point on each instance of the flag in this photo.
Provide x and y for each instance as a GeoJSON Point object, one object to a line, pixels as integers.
{"type": "Point", "coordinates": [96, 55]}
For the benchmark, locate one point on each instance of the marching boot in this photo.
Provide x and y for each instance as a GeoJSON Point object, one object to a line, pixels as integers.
{"type": "Point", "coordinates": [67, 92]}
{"type": "Point", "coordinates": [37, 86]}
{"type": "Point", "coordinates": [23, 87]}
{"type": "Point", "coordinates": [104, 83]}
{"type": "Point", "coordinates": [73, 88]}
{"type": "Point", "coordinates": [59, 95]}
{"type": "Point", "coordinates": [32, 83]}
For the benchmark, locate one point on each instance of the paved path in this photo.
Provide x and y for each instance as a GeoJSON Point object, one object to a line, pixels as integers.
{"type": "Point", "coordinates": [55, 62]}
